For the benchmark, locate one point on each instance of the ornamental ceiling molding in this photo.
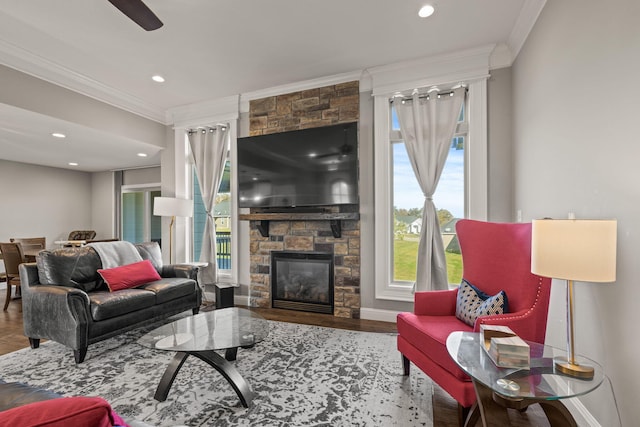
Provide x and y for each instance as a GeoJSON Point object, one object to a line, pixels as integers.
{"type": "Point", "coordinates": [34, 65]}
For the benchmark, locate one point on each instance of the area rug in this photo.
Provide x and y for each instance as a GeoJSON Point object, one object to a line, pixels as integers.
{"type": "Point", "coordinates": [302, 376]}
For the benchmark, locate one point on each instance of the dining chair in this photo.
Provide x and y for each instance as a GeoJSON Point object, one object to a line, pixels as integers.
{"type": "Point", "coordinates": [30, 246]}
{"type": "Point", "coordinates": [12, 256]}
{"type": "Point", "coordinates": [30, 242]}
{"type": "Point", "coordinates": [82, 235]}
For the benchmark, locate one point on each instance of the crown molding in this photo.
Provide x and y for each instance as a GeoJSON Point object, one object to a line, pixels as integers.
{"type": "Point", "coordinates": [500, 57]}
{"type": "Point", "coordinates": [524, 24]}
{"type": "Point", "coordinates": [204, 113]}
{"type": "Point", "coordinates": [34, 65]}
{"type": "Point", "coordinates": [450, 68]}
{"type": "Point", "coordinates": [297, 87]}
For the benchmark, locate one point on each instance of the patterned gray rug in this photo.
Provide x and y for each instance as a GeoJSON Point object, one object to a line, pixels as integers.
{"type": "Point", "coordinates": [302, 376]}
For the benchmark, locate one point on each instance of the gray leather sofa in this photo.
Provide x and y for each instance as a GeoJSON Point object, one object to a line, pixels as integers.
{"type": "Point", "coordinates": [64, 298]}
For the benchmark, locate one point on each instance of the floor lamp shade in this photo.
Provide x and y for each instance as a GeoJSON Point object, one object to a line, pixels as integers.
{"type": "Point", "coordinates": [170, 206]}
{"type": "Point", "coordinates": [571, 249]}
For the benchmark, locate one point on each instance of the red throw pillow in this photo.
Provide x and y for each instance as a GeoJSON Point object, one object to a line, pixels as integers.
{"type": "Point", "coordinates": [63, 412]}
{"type": "Point", "coordinates": [130, 275]}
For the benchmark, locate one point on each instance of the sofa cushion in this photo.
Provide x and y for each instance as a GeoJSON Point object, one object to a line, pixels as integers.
{"type": "Point", "coordinates": [105, 305]}
{"type": "Point", "coordinates": [472, 303]}
{"type": "Point", "coordinates": [152, 252]}
{"type": "Point", "coordinates": [62, 412]}
{"type": "Point", "coordinates": [429, 334]}
{"type": "Point", "coordinates": [170, 288]}
{"type": "Point", "coordinates": [74, 267]}
{"type": "Point", "coordinates": [129, 276]}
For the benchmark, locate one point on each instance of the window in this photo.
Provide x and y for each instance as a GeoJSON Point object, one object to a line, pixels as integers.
{"type": "Point", "coordinates": [408, 203]}
{"type": "Point", "coordinates": [461, 193]}
{"type": "Point", "coordinates": [138, 222]}
{"type": "Point", "coordinates": [222, 217]}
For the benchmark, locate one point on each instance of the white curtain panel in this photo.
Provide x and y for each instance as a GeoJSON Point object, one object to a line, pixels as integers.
{"type": "Point", "coordinates": [427, 125]}
{"type": "Point", "coordinates": [209, 153]}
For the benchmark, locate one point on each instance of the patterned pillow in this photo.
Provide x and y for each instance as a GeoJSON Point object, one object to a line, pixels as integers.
{"type": "Point", "coordinates": [472, 303]}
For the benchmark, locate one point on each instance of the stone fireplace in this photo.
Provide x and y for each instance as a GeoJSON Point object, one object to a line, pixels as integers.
{"type": "Point", "coordinates": [330, 230]}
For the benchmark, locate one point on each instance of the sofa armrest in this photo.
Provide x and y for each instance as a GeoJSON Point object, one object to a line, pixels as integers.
{"type": "Point", "coordinates": [435, 303]}
{"type": "Point", "coordinates": [58, 313]}
{"type": "Point", "coordinates": [186, 271]}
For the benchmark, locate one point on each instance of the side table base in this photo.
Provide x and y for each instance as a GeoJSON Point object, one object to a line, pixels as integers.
{"type": "Point", "coordinates": [491, 408]}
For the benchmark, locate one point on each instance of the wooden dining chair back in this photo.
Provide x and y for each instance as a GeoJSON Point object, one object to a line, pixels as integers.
{"type": "Point", "coordinates": [30, 242]}
{"type": "Point", "coordinates": [82, 235]}
{"type": "Point", "coordinates": [12, 257]}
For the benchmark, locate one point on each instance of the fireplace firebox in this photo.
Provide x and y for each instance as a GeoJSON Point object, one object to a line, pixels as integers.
{"type": "Point", "coordinates": [302, 281]}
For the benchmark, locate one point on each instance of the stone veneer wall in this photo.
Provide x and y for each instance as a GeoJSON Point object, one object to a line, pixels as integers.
{"type": "Point", "coordinates": [299, 110]}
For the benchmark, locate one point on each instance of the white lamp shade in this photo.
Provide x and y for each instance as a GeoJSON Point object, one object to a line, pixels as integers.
{"type": "Point", "coordinates": [170, 206]}
{"type": "Point", "coordinates": [571, 249]}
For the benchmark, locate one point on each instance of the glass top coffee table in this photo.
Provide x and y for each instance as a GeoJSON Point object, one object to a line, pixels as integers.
{"type": "Point", "coordinates": [500, 388]}
{"type": "Point", "coordinates": [201, 336]}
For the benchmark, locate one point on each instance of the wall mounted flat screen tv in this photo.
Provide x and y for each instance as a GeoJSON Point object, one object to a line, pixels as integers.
{"type": "Point", "coordinates": [308, 167]}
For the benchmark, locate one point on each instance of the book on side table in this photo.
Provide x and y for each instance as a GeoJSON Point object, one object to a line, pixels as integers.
{"type": "Point", "coordinates": [504, 347]}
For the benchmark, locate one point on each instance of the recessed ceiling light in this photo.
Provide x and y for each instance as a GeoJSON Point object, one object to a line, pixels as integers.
{"type": "Point", "coordinates": [73, 164]}
{"type": "Point", "coordinates": [142, 154]}
{"type": "Point", "coordinates": [158, 78]}
{"type": "Point", "coordinates": [426, 11]}
{"type": "Point", "coordinates": [58, 135]}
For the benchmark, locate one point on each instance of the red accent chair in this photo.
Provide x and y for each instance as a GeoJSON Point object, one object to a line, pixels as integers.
{"type": "Point", "coordinates": [495, 256]}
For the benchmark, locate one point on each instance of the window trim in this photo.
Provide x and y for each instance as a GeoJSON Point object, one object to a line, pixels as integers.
{"type": "Point", "coordinates": [476, 190]}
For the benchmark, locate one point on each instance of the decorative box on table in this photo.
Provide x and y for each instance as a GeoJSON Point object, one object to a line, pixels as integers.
{"type": "Point", "coordinates": [504, 347]}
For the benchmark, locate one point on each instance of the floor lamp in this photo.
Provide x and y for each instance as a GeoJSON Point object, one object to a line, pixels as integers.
{"type": "Point", "coordinates": [580, 250]}
{"type": "Point", "coordinates": [170, 206]}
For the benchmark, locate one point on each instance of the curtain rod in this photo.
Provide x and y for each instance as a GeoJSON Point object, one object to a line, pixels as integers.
{"type": "Point", "coordinates": [204, 129]}
{"type": "Point", "coordinates": [426, 95]}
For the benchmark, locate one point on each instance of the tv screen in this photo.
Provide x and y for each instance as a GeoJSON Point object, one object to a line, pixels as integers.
{"type": "Point", "coordinates": [308, 167]}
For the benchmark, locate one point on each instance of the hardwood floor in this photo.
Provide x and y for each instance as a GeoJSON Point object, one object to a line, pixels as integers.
{"type": "Point", "coordinates": [444, 407]}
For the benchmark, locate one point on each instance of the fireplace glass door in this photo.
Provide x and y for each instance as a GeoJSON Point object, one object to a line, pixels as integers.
{"type": "Point", "coordinates": [302, 281]}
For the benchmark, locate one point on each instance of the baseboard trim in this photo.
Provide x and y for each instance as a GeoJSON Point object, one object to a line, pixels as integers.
{"type": "Point", "coordinates": [378, 314]}
{"type": "Point", "coordinates": [581, 414]}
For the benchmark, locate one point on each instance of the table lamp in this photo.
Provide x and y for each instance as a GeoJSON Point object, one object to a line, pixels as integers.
{"type": "Point", "coordinates": [170, 206]}
{"type": "Point", "coordinates": [574, 250]}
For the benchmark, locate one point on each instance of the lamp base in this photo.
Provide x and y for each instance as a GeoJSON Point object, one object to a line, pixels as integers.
{"type": "Point", "coordinates": [584, 372]}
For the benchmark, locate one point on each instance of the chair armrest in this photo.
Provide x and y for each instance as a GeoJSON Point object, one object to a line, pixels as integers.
{"type": "Point", "coordinates": [435, 303]}
{"type": "Point", "coordinates": [186, 271]}
{"type": "Point", "coordinates": [522, 323]}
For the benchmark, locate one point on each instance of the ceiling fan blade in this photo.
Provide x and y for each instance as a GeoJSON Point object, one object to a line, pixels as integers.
{"type": "Point", "coordinates": [139, 13]}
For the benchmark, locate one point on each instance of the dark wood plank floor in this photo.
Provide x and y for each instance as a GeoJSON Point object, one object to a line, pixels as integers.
{"type": "Point", "coordinates": [445, 408]}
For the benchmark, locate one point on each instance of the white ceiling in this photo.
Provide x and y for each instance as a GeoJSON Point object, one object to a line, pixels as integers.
{"type": "Point", "coordinates": [209, 49]}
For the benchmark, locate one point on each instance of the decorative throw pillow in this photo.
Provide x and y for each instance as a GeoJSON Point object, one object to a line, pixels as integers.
{"type": "Point", "coordinates": [63, 412]}
{"type": "Point", "coordinates": [130, 275]}
{"type": "Point", "coordinates": [473, 303]}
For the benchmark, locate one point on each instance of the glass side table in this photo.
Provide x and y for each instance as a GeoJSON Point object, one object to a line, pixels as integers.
{"type": "Point", "coordinates": [500, 388]}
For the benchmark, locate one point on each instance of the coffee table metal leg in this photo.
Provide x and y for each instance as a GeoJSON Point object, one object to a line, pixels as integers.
{"type": "Point", "coordinates": [169, 375]}
{"type": "Point", "coordinates": [229, 372]}
{"type": "Point", "coordinates": [226, 369]}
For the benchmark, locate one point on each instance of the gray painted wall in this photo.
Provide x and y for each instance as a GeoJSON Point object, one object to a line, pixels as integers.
{"type": "Point", "coordinates": [575, 101]}
{"type": "Point", "coordinates": [42, 201]}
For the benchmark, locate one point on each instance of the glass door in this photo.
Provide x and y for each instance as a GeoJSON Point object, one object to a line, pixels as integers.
{"type": "Point", "coordinates": [138, 222]}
